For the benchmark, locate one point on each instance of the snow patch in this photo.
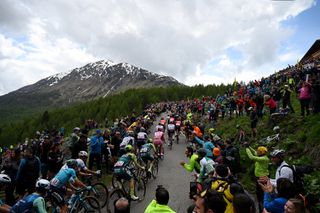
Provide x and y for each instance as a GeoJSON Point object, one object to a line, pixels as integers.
{"type": "Point", "coordinates": [57, 77]}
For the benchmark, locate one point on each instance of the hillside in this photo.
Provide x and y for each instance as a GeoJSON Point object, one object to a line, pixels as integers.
{"type": "Point", "coordinates": [298, 136]}
{"type": "Point", "coordinates": [90, 82]}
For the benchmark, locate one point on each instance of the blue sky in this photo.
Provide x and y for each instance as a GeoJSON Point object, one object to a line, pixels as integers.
{"type": "Point", "coordinates": [196, 42]}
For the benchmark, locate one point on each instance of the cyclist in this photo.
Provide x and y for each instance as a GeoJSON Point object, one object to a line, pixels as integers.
{"type": "Point", "coordinates": [171, 130]}
{"type": "Point", "coordinates": [159, 140]}
{"type": "Point", "coordinates": [147, 153]}
{"type": "Point", "coordinates": [160, 127]}
{"type": "Point", "coordinates": [35, 201]}
{"type": "Point", "coordinates": [142, 138]}
{"type": "Point", "coordinates": [207, 165]}
{"type": "Point", "coordinates": [124, 166]}
{"type": "Point", "coordinates": [83, 170]}
{"type": "Point", "coordinates": [194, 160]}
{"type": "Point", "coordinates": [178, 127]}
{"type": "Point", "coordinates": [66, 176]}
{"type": "Point", "coordinates": [163, 123]}
{"type": "Point", "coordinates": [4, 181]}
{"type": "Point", "coordinates": [128, 140]}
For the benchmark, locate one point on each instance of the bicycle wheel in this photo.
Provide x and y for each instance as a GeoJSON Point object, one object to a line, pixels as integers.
{"type": "Point", "coordinates": [88, 204]}
{"type": "Point", "coordinates": [114, 196]}
{"type": "Point", "coordinates": [140, 188]}
{"type": "Point", "coordinates": [100, 191]}
{"type": "Point", "coordinates": [155, 169]}
{"type": "Point", "coordinates": [116, 182]}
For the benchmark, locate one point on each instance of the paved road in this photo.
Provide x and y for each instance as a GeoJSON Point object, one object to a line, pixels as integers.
{"type": "Point", "coordinates": [173, 177]}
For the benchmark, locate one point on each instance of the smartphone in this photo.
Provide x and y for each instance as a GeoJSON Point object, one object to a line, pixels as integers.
{"type": "Point", "coordinates": [193, 189]}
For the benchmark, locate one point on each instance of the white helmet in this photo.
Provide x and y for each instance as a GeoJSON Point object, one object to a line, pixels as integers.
{"type": "Point", "coordinates": [43, 184]}
{"type": "Point", "coordinates": [83, 154]}
{"type": "Point", "coordinates": [277, 153]}
{"type": "Point", "coordinates": [4, 178]}
{"type": "Point", "coordinates": [276, 128]}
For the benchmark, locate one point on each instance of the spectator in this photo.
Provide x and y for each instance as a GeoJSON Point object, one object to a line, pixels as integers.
{"type": "Point", "coordinates": [122, 205]}
{"type": "Point", "coordinates": [96, 146]}
{"type": "Point", "coordinates": [286, 98]}
{"type": "Point", "coordinates": [268, 101]}
{"type": "Point", "coordinates": [210, 201]}
{"type": "Point", "coordinates": [283, 171]}
{"type": "Point", "coordinates": [253, 121]}
{"type": "Point", "coordinates": [305, 97]}
{"type": "Point", "coordinates": [28, 173]}
{"type": "Point", "coordinates": [160, 204]}
{"type": "Point", "coordinates": [242, 203]}
{"type": "Point", "coordinates": [275, 203]}
{"type": "Point", "coordinates": [55, 159]}
{"type": "Point", "coordinates": [260, 169]}
{"type": "Point", "coordinates": [231, 157]}
{"type": "Point", "coordinates": [295, 206]}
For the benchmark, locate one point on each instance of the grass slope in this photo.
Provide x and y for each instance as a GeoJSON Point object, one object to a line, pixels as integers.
{"type": "Point", "coordinates": [300, 137]}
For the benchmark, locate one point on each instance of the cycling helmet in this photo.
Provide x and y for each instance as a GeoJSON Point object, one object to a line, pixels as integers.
{"type": "Point", "coordinates": [276, 128]}
{"type": "Point", "coordinates": [277, 153]}
{"type": "Point", "coordinates": [237, 126]}
{"type": "Point", "coordinates": [150, 140]}
{"type": "Point", "coordinates": [76, 129]}
{"type": "Point", "coordinates": [83, 154]}
{"type": "Point", "coordinates": [43, 184]}
{"type": "Point", "coordinates": [202, 152]}
{"type": "Point", "coordinates": [142, 129]}
{"type": "Point", "coordinates": [72, 163]}
{"type": "Point", "coordinates": [4, 178]}
{"type": "Point", "coordinates": [128, 148]}
{"type": "Point", "coordinates": [130, 133]}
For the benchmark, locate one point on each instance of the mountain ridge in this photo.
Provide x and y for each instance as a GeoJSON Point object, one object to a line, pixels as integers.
{"type": "Point", "coordinates": [92, 81]}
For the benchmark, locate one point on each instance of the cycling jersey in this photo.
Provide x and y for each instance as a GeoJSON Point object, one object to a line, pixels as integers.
{"type": "Point", "coordinates": [81, 165]}
{"type": "Point", "coordinates": [147, 150]}
{"type": "Point", "coordinates": [171, 127]}
{"type": "Point", "coordinates": [31, 203]}
{"type": "Point", "coordinates": [63, 177]}
{"type": "Point", "coordinates": [163, 122]}
{"type": "Point", "coordinates": [158, 138]}
{"type": "Point", "coordinates": [123, 166]}
{"type": "Point", "coordinates": [178, 123]}
{"type": "Point", "coordinates": [127, 140]}
{"type": "Point", "coordinates": [159, 127]}
{"type": "Point", "coordinates": [142, 136]}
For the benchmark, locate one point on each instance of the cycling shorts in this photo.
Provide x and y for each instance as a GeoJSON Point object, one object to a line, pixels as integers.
{"type": "Point", "coordinates": [123, 173]}
{"type": "Point", "coordinates": [57, 194]}
{"type": "Point", "coordinates": [158, 142]}
{"type": "Point", "coordinates": [146, 157]}
{"type": "Point", "coordinates": [140, 142]}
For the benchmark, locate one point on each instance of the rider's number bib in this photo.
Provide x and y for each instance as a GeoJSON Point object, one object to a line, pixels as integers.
{"type": "Point", "coordinates": [144, 150]}
{"type": "Point", "coordinates": [119, 164]}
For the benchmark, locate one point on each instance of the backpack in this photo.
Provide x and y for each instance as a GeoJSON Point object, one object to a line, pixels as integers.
{"type": "Point", "coordinates": [24, 205]}
{"type": "Point", "coordinates": [298, 174]}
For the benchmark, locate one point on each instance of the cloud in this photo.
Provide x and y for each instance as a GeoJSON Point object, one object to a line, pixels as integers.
{"type": "Point", "coordinates": [177, 38]}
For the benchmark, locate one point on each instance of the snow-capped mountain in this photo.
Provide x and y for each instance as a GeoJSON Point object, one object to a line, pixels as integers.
{"type": "Point", "coordinates": [92, 81]}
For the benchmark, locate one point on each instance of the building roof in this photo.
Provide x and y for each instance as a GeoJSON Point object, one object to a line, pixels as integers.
{"type": "Point", "coordinates": [313, 49]}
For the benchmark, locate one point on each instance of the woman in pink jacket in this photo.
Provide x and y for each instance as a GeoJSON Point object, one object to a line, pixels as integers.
{"type": "Point", "coordinates": [305, 97]}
